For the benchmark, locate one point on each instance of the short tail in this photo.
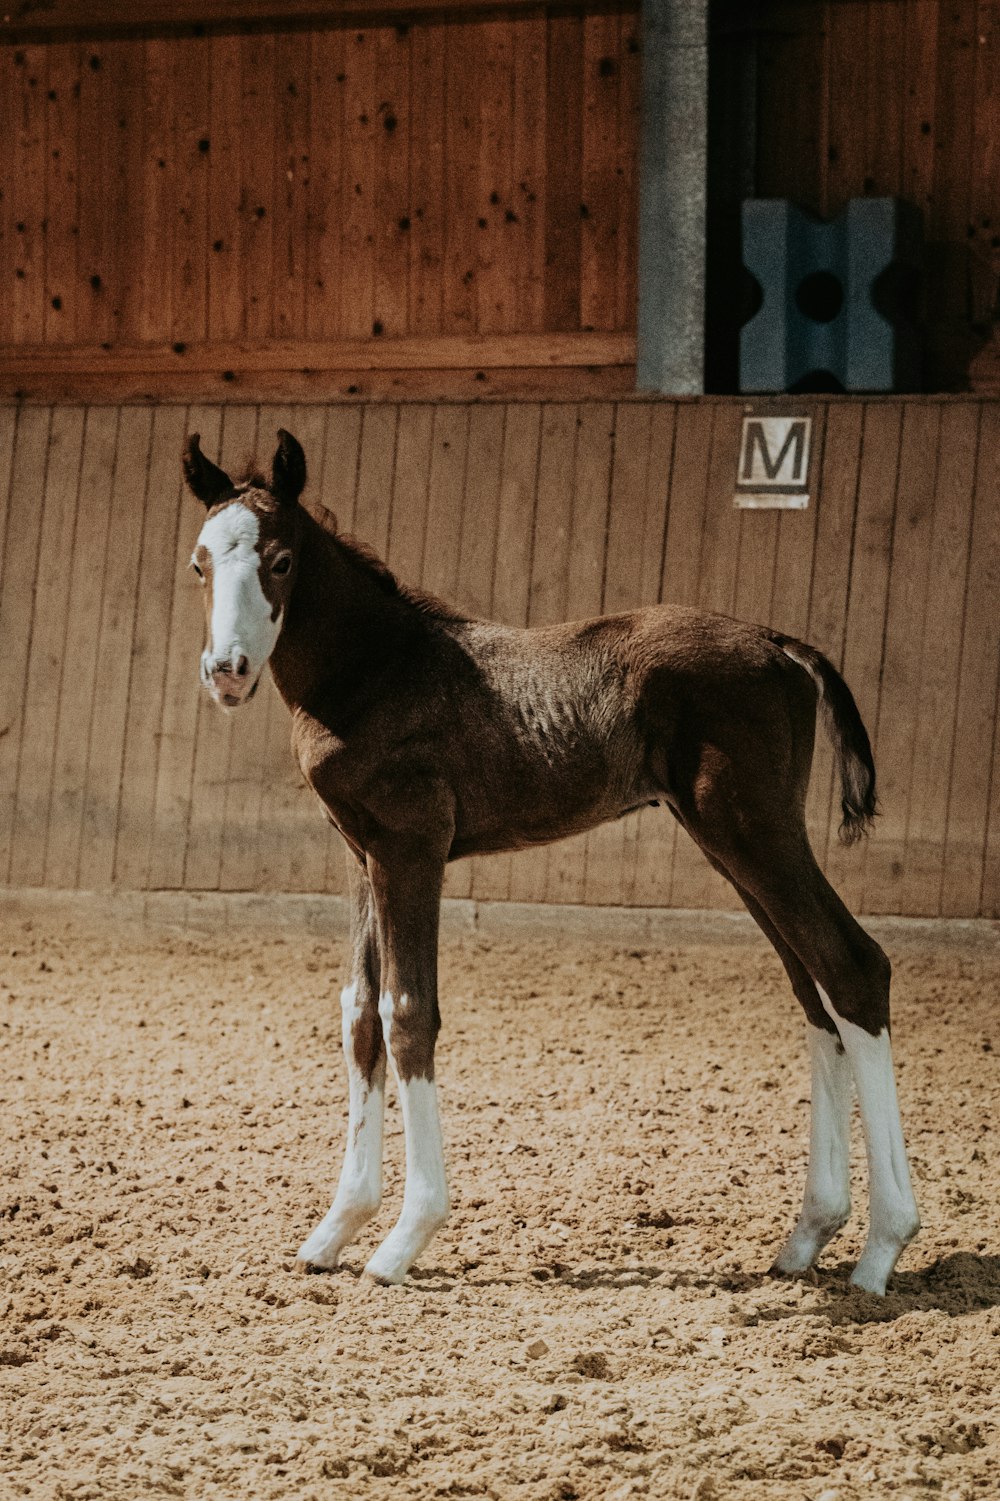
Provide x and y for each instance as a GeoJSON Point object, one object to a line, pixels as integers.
{"type": "Point", "coordinates": [848, 736]}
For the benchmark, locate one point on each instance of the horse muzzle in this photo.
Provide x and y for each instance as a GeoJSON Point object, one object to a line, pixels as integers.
{"type": "Point", "coordinates": [229, 680]}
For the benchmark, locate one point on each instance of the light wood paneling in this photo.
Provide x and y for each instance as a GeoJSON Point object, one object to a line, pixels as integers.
{"type": "Point", "coordinates": [115, 768]}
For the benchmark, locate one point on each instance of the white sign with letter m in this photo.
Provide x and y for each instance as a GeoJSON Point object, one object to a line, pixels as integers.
{"type": "Point", "coordinates": [773, 468]}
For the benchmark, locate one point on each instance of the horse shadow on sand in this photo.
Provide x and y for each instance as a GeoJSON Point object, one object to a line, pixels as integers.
{"type": "Point", "coordinates": [956, 1285]}
{"type": "Point", "coordinates": [963, 1283]}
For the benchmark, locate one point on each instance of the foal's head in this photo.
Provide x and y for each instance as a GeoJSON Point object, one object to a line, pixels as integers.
{"type": "Point", "coordinates": [245, 560]}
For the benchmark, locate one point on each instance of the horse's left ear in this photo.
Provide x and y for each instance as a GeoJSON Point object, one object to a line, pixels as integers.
{"type": "Point", "coordinates": [205, 479]}
{"type": "Point", "coordinates": [288, 472]}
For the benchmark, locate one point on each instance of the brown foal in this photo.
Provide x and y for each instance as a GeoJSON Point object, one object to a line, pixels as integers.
{"type": "Point", "coordinates": [428, 736]}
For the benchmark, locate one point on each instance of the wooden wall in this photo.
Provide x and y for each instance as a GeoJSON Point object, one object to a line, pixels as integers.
{"type": "Point", "coordinates": [825, 100]}
{"type": "Point", "coordinates": [308, 207]}
{"type": "Point", "coordinates": [115, 769]}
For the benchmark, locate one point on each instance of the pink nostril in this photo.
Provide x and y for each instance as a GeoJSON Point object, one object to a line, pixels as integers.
{"type": "Point", "coordinates": [242, 666]}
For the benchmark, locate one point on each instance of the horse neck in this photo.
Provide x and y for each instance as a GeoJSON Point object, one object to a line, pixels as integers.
{"type": "Point", "coordinates": [339, 623]}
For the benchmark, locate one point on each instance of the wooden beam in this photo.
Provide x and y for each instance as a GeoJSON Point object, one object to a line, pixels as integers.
{"type": "Point", "coordinates": [448, 352]}
{"type": "Point", "coordinates": [24, 16]}
{"type": "Point", "coordinates": [561, 383]}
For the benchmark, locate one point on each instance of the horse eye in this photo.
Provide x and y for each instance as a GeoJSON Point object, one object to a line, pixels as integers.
{"type": "Point", "coordinates": [282, 564]}
{"type": "Point", "coordinates": [197, 570]}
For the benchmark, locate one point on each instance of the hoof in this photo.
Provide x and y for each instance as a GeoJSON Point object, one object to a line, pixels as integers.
{"type": "Point", "coordinates": [375, 1278]}
{"type": "Point", "coordinates": [869, 1282]}
{"type": "Point", "coordinates": [305, 1267]}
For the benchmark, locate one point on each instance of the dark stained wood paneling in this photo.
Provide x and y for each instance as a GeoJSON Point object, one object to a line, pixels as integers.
{"type": "Point", "coordinates": [287, 187]}
{"type": "Point", "coordinates": [888, 97]}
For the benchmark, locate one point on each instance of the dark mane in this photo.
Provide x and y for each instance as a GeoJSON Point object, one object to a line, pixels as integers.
{"type": "Point", "coordinates": [360, 553]}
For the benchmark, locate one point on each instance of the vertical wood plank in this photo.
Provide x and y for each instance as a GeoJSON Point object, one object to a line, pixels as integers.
{"type": "Point", "coordinates": [326, 182]}
{"type": "Point", "coordinates": [225, 294]}
{"type": "Point", "coordinates": [24, 517]}
{"type": "Point", "coordinates": [257, 78]}
{"type": "Point", "coordinates": [192, 149]}
{"type": "Point", "coordinates": [376, 468]}
{"type": "Point", "coordinates": [600, 207]}
{"type": "Point", "coordinates": [498, 238]}
{"type": "Point", "coordinates": [530, 111]}
{"type": "Point", "coordinates": [392, 182]}
{"type": "Point", "coordinates": [461, 179]}
{"type": "Point", "coordinates": [341, 453]}
{"type": "Point", "coordinates": [408, 516]}
{"type": "Point", "coordinates": [26, 187]}
{"type": "Point", "coordinates": [886, 87]}
{"type": "Point", "coordinates": [151, 311]}
{"type": "Point", "coordinates": [173, 825]}
{"type": "Point", "coordinates": [629, 94]}
{"type": "Point", "coordinates": [563, 155]}
{"type": "Point", "coordinates": [939, 680]}
{"type": "Point", "coordinates": [155, 589]}
{"type": "Point", "coordinates": [847, 30]}
{"type": "Point", "coordinates": [446, 487]}
{"type": "Point", "coordinates": [920, 74]}
{"type": "Point", "coordinates": [10, 86]}
{"type": "Point", "coordinates": [894, 735]}
{"type": "Point", "coordinates": [105, 751]}
{"type": "Point", "coordinates": [979, 672]}
{"type": "Point", "coordinates": [77, 684]}
{"type": "Point", "coordinates": [426, 212]}
{"type": "Point", "coordinates": [8, 431]}
{"type": "Point", "coordinates": [291, 229]}
{"type": "Point", "coordinates": [793, 62]}
{"type": "Point", "coordinates": [357, 265]}
{"type": "Point", "coordinates": [49, 627]}
{"type": "Point", "coordinates": [61, 206]}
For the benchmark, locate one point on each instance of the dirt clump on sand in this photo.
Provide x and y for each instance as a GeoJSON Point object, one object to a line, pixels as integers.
{"type": "Point", "coordinates": [626, 1130]}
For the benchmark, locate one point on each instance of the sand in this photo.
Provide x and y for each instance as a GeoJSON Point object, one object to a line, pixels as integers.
{"type": "Point", "coordinates": [626, 1130]}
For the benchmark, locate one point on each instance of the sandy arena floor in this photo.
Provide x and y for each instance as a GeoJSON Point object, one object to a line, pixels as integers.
{"type": "Point", "coordinates": [626, 1131]}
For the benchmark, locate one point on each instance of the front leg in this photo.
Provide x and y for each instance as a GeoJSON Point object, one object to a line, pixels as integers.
{"type": "Point", "coordinates": [359, 1191]}
{"type": "Point", "coordinates": [407, 898]}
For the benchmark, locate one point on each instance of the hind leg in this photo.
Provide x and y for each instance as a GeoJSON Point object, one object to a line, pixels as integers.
{"type": "Point", "coordinates": [766, 853]}
{"type": "Point", "coordinates": [852, 976]}
{"type": "Point", "coordinates": [827, 1200]}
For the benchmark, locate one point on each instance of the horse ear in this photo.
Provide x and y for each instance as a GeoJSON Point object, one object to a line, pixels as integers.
{"type": "Point", "coordinates": [205, 479]}
{"type": "Point", "coordinates": [288, 472]}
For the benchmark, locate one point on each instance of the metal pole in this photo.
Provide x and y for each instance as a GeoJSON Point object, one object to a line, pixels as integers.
{"type": "Point", "coordinates": [672, 192]}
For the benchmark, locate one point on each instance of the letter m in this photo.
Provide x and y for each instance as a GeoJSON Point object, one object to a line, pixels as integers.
{"type": "Point", "coordinates": [779, 444]}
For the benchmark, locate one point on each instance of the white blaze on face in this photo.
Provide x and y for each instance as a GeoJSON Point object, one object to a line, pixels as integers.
{"type": "Point", "coordinates": [241, 613]}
